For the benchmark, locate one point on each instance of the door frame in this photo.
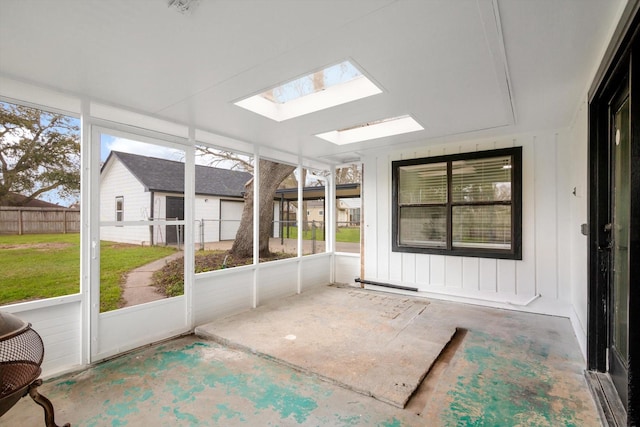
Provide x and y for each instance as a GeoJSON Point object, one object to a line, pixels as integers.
{"type": "Point", "coordinates": [622, 61]}
{"type": "Point", "coordinates": [174, 229]}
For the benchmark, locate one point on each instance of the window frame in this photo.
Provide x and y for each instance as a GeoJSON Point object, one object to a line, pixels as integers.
{"type": "Point", "coordinates": [515, 252]}
{"type": "Point", "coordinates": [120, 211]}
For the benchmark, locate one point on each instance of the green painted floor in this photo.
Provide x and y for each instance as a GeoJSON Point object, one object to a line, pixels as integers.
{"type": "Point", "coordinates": [504, 368]}
{"type": "Point", "coordinates": [190, 382]}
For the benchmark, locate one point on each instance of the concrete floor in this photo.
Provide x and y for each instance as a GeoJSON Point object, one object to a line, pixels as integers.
{"type": "Point", "coordinates": [370, 342]}
{"type": "Point", "coordinates": [501, 368]}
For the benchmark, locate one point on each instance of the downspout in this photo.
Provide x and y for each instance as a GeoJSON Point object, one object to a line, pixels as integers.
{"type": "Point", "coordinates": [151, 218]}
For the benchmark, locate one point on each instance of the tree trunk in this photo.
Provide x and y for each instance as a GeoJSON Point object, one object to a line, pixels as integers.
{"type": "Point", "coordinates": [271, 175]}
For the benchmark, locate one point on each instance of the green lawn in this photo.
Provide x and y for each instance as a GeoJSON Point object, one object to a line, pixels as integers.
{"type": "Point", "coordinates": [48, 265]}
{"type": "Point", "coordinates": [344, 234]}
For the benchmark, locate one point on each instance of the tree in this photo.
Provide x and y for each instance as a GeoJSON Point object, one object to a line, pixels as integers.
{"type": "Point", "coordinates": [349, 174]}
{"type": "Point", "coordinates": [271, 176]}
{"type": "Point", "coordinates": [39, 152]}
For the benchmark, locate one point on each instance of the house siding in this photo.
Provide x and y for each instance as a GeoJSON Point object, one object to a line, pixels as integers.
{"type": "Point", "coordinates": [115, 181]}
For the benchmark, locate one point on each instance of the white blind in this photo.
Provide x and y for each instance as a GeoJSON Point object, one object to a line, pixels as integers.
{"type": "Point", "coordinates": [423, 226]}
{"type": "Point", "coordinates": [481, 180]}
{"type": "Point", "coordinates": [423, 184]}
{"type": "Point", "coordinates": [482, 226]}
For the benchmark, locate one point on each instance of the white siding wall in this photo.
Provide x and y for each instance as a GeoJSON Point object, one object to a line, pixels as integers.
{"type": "Point", "coordinates": [117, 181]}
{"type": "Point", "coordinates": [573, 158]}
{"type": "Point", "coordinates": [503, 283]}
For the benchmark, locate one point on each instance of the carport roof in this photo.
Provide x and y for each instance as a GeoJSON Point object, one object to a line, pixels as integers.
{"type": "Point", "coordinates": [343, 191]}
{"type": "Point", "coordinates": [168, 175]}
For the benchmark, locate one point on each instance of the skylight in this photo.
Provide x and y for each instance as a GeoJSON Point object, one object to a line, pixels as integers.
{"type": "Point", "coordinates": [326, 88]}
{"type": "Point", "coordinates": [372, 130]}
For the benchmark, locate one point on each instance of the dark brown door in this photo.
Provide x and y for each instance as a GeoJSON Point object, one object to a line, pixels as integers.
{"type": "Point", "coordinates": [613, 341]}
{"type": "Point", "coordinates": [175, 210]}
{"type": "Point", "coordinates": [618, 240]}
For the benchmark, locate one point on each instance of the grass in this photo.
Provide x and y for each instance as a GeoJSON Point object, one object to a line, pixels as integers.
{"type": "Point", "coordinates": [48, 265]}
{"type": "Point", "coordinates": [344, 234]}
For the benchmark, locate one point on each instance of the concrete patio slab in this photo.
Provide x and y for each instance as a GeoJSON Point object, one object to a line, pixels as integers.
{"type": "Point", "coordinates": [377, 344]}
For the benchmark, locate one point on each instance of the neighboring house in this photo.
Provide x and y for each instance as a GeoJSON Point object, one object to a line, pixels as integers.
{"type": "Point", "coordinates": [348, 212]}
{"type": "Point", "coordinates": [135, 188]}
{"type": "Point", "coordinates": [315, 211]}
{"type": "Point", "coordinates": [15, 199]}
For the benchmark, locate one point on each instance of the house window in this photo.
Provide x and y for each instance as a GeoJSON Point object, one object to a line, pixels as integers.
{"type": "Point", "coordinates": [119, 208]}
{"type": "Point", "coordinates": [465, 204]}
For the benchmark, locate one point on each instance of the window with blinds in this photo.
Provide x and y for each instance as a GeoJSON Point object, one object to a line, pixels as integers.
{"type": "Point", "coordinates": [464, 204]}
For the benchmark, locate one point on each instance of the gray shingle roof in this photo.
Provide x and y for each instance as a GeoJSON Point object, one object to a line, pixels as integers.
{"type": "Point", "coordinates": [168, 175]}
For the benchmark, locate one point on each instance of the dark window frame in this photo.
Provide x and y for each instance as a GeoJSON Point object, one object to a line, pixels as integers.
{"type": "Point", "coordinates": [515, 252]}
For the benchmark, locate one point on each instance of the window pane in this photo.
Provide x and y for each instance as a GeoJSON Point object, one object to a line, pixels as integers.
{"type": "Point", "coordinates": [421, 184]}
{"type": "Point", "coordinates": [39, 231]}
{"type": "Point", "coordinates": [486, 227]}
{"type": "Point", "coordinates": [222, 181]}
{"type": "Point", "coordinates": [481, 180]}
{"type": "Point", "coordinates": [423, 226]}
{"type": "Point", "coordinates": [140, 263]}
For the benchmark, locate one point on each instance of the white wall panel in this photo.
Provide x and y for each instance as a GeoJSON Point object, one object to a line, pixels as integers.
{"type": "Point", "coordinates": [143, 324]}
{"type": "Point", "coordinates": [437, 270]}
{"type": "Point", "coordinates": [546, 216]}
{"type": "Point", "coordinates": [370, 216]}
{"type": "Point", "coordinates": [277, 279]}
{"type": "Point", "coordinates": [346, 267]}
{"type": "Point", "coordinates": [488, 274]}
{"type": "Point", "coordinates": [575, 277]}
{"type": "Point", "coordinates": [526, 269]}
{"type": "Point", "coordinates": [408, 269]}
{"type": "Point", "coordinates": [422, 270]}
{"type": "Point", "coordinates": [506, 276]}
{"type": "Point", "coordinates": [315, 271]}
{"type": "Point", "coordinates": [57, 321]}
{"type": "Point", "coordinates": [222, 293]}
{"type": "Point", "coordinates": [453, 272]}
{"type": "Point", "coordinates": [471, 273]}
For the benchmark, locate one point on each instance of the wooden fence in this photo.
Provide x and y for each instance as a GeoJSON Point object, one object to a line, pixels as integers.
{"type": "Point", "coordinates": [22, 220]}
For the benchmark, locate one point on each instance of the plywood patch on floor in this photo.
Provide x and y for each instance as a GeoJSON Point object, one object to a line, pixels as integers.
{"type": "Point", "coordinates": [380, 345]}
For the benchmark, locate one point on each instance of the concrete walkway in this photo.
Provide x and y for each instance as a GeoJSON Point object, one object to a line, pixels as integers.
{"type": "Point", "coordinates": [138, 287]}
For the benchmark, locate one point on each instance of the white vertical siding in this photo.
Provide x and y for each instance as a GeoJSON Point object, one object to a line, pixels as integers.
{"type": "Point", "coordinates": [476, 279]}
{"type": "Point", "coordinates": [573, 250]}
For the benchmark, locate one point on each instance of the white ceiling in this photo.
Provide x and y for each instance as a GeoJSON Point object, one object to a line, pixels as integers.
{"type": "Point", "coordinates": [458, 67]}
